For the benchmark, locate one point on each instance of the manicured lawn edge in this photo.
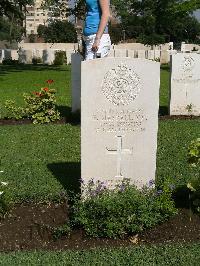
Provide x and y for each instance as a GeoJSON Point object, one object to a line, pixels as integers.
{"type": "Point", "coordinates": [176, 254]}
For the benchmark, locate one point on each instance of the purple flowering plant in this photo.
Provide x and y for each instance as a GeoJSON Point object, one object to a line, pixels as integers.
{"type": "Point", "coordinates": [106, 210]}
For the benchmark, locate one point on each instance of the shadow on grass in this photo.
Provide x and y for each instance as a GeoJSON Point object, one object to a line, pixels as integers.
{"type": "Point", "coordinates": [6, 69]}
{"type": "Point", "coordinates": [163, 110]}
{"type": "Point", "coordinates": [68, 174]}
{"type": "Point", "coordinates": [181, 197]}
{"type": "Point", "coordinates": [165, 67]}
{"type": "Point", "coordinates": [71, 118]}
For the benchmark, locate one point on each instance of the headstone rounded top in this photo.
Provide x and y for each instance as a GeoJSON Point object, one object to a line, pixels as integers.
{"type": "Point", "coordinates": [121, 85]}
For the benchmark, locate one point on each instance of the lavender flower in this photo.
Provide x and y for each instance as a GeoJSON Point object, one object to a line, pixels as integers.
{"type": "Point", "coordinates": [159, 192]}
{"type": "Point", "coordinates": [151, 183]}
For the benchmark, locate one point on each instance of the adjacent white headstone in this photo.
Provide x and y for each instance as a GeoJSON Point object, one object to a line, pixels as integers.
{"type": "Point", "coordinates": [151, 54]}
{"type": "Point", "coordinates": [157, 54]}
{"type": "Point", "coordinates": [165, 57]}
{"type": "Point", "coordinates": [120, 53]}
{"type": "Point", "coordinates": [119, 120]}
{"type": "Point", "coordinates": [131, 53]}
{"type": "Point", "coordinates": [185, 84]}
{"type": "Point", "coordinates": [76, 60]}
{"type": "Point", "coordinates": [48, 56]}
{"type": "Point", "coordinates": [14, 55]}
{"type": "Point", "coordinates": [69, 55]}
{"type": "Point", "coordinates": [1, 56]}
{"type": "Point", "coordinates": [25, 56]}
{"type": "Point", "coordinates": [141, 54]}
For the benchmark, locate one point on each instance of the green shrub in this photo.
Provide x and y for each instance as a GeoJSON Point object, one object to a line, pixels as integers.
{"type": "Point", "coordinates": [194, 183]}
{"type": "Point", "coordinates": [36, 60]}
{"type": "Point", "coordinates": [122, 211]}
{"type": "Point", "coordinates": [9, 61]}
{"type": "Point", "coordinates": [40, 106]}
{"type": "Point", "coordinates": [60, 58]}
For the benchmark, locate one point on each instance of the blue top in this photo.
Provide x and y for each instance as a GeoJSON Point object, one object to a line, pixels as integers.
{"type": "Point", "coordinates": [93, 17]}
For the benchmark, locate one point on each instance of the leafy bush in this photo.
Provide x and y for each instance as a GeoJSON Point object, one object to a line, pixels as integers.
{"type": "Point", "coordinates": [123, 210]}
{"type": "Point", "coordinates": [60, 58]}
{"type": "Point", "coordinates": [9, 61]}
{"type": "Point", "coordinates": [36, 60]}
{"type": "Point", "coordinates": [40, 106]}
{"type": "Point", "coordinates": [194, 183]}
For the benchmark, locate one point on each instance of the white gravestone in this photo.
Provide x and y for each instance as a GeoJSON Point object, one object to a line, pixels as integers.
{"type": "Point", "coordinates": [151, 54]}
{"type": "Point", "coordinates": [119, 120]}
{"type": "Point", "coordinates": [131, 53]}
{"type": "Point", "coordinates": [2, 55]}
{"type": "Point", "coordinates": [48, 56]}
{"type": "Point", "coordinates": [185, 84]}
{"type": "Point", "coordinates": [25, 56]}
{"type": "Point", "coordinates": [76, 60]}
{"type": "Point", "coordinates": [68, 55]}
{"type": "Point", "coordinates": [165, 57]}
{"type": "Point", "coordinates": [141, 54]}
{"type": "Point", "coordinates": [120, 53]}
{"type": "Point", "coordinates": [157, 54]}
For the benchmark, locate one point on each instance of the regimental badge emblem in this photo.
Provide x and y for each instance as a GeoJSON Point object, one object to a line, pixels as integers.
{"type": "Point", "coordinates": [121, 85]}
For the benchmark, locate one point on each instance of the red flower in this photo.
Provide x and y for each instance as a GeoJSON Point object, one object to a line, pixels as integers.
{"type": "Point", "coordinates": [50, 81]}
{"type": "Point", "coordinates": [45, 89]}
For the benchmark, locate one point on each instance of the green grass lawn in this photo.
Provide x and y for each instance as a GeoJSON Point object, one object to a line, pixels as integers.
{"type": "Point", "coordinates": [180, 255]}
{"type": "Point", "coordinates": [16, 80]}
{"type": "Point", "coordinates": [41, 161]}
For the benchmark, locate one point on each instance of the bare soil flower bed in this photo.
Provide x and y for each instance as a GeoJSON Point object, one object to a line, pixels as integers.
{"type": "Point", "coordinates": [30, 227]}
{"type": "Point", "coordinates": [64, 120]}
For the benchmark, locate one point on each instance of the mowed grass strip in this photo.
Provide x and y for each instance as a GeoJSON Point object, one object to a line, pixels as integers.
{"type": "Point", "coordinates": [180, 255]}
{"type": "Point", "coordinates": [41, 161]}
{"type": "Point", "coordinates": [16, 80]}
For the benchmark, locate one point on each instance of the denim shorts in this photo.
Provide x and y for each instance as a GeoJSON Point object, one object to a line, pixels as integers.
{"type": "Point", "coordinates": [104, 46]}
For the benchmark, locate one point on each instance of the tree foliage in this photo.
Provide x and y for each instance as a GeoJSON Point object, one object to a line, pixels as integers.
{"type": "Point", "coordinates": [158, 21]}
{"type": "Point", "coordinates": [58, 31]}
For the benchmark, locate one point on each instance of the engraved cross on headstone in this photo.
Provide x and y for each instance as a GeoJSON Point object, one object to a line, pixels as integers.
{"type": "Point", "coordinates": [119, 151]}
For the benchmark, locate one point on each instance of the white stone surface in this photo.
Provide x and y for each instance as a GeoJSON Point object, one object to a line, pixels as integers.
{"type": "Point", "coordinates": [157, 54]}
{"type": "Point", "coordinates": [1, 56]}
{"type": "Point", "coordinates": [120, 53]}
{"type": "Point", "coordinates": [76, 60]}
{"type": "Point", "coordinates": [37, 53]}
{"type": "Point", "coordinates": [48, 56]}
{"type": "Point", "coordinates": [131, 53]}
{"type": "Point", "coordinates": [165, 57]}
{"type": "Point", "coordinates": [141, 54]}
{"type": "Point", "coordinates": [119, 119]}
{"type": "Point", "coordinates": [69, 55]}
{"type": "Point", "coordinates": [14, 55]}
{"type": "Point", "coordinates": [25, 56]}
{"type": "Point", "coordinates": [151, 54]}
{"type": "Point", "coordinates": [185, 84]}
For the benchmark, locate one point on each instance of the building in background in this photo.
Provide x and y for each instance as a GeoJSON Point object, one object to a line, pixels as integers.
{"type": "Point", "coordinates": [36, 15]}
